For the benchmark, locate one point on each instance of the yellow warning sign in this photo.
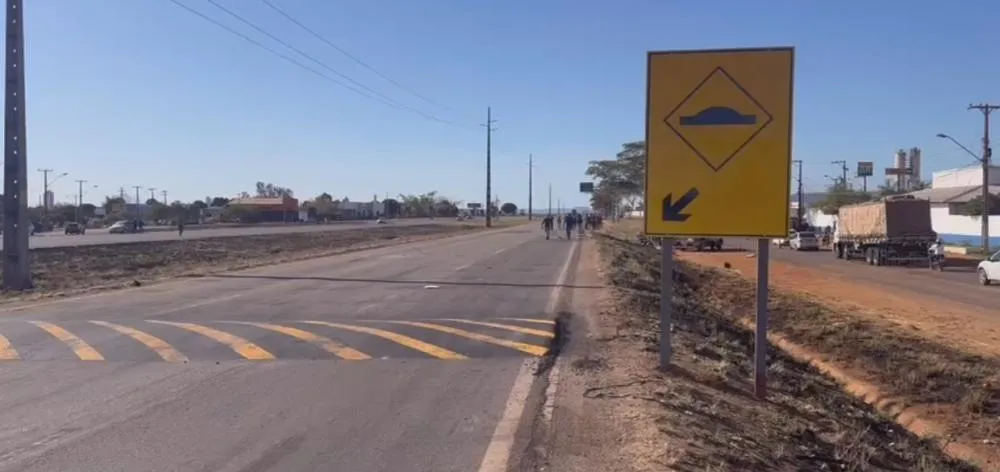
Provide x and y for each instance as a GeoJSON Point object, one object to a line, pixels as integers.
{"type": "Point", "coordinates": [718, 142]}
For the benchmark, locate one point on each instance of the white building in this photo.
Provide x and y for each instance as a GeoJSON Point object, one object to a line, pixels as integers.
{"type": "Point", "coordinates": [362, 210]}
{"type": "Point", "coordinates": [950, 191]}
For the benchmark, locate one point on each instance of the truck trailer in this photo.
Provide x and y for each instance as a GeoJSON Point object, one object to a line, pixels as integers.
{"type": "Point", "coordinates": [892, 231]}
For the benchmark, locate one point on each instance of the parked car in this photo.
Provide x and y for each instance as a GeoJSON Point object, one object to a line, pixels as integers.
{"type": "Point", "coordinates": [989, 270]}
{"type": "Point", "coordinates": [120, 227]}
{"type": "Point", "coordinates": [75, 228]}
{"type": "Point", "coordinates": [783, 242]}
{"type": "Point", "coordinates": [804, 241]}
{"type": "Point", "coordinates": [700, 244]}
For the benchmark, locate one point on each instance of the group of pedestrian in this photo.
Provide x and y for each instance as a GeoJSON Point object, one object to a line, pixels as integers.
{"type": "Point", "coordinates": [572, 221]}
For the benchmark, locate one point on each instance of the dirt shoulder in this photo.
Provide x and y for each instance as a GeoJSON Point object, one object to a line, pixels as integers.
{"type": "Point", "coordinates": [66, 271]}
{"type": "Point", "coordinates": [619, 412]}
{"type": "Point", "coordinates": [971, 328]}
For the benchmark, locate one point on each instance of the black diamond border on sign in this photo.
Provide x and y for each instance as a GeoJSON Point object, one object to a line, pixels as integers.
{"type": "Point", "coordinates": [770, 118]}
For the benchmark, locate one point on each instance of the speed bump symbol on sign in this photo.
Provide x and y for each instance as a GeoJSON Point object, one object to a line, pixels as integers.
{"type": "Point", "coordinates": [718, 142]}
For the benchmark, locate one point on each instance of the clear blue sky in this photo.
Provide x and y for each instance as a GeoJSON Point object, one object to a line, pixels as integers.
{"type": "Point", "coordinates": [141, 92]}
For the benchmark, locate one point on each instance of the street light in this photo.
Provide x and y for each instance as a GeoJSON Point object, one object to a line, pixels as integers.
{"type": "Point", "coordinates": [985, 216]}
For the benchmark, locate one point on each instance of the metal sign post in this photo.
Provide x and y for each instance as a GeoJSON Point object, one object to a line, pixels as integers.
{"type": "Point", "coordinates": [666, 298]}
{"type": "Point", "coordinates": [760, 330]}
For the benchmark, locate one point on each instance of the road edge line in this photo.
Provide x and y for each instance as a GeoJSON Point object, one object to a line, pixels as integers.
{"type": "Point", "coordinates": [502, 442]}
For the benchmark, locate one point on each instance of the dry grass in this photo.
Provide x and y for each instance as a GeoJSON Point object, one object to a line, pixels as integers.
{"type": "Point", "coordinates": [68, 270]}
{"type": "Point", "coordinates": [808, 421]}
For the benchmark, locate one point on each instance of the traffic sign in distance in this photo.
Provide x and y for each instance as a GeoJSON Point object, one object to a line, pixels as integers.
{"type": "Point", "coordinates": [719, 142]}
{"type": "Point", "coordinates": [586, 187]}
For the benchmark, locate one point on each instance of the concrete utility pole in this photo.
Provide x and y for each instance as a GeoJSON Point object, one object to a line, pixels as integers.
{"type": "Point", "coordinates": [16, 266]}
{"type": "Point", "coordinates": [45, 190]}
{"type": "Point", "coordinates": [164, 193]}
{"type": "Point", "coordinates": [152, 193]}
{"type": "Point", "coordinates": [489, 149]}
{"type": "Point", "coordinates": [798, 180]}
{"type": "Point", "coordinates": [137, 188]}
{"type": "Point", "coordinates": [550, 198]}
{"type": "Point", "coordinates": [843, 169]}
{"type": "Point", "coordinates": [531, 165]}
{"type": "Point", "coordinates": [986, 109]}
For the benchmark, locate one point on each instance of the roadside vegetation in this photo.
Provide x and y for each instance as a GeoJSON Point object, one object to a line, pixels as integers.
{"type": "Point", "coordinates": [707, 416]}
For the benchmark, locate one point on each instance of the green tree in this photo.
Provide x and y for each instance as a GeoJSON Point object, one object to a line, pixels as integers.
{"type": "Point", "coordinates": [218, 202]}
{"type": "Point", "coordinates": [392, 207]}
{"type": "Point", "coordinates": [888, 188]}
{"type": "Point", "coordinates": [269, 190]}
{"type": "Point", "coordinates": [838, 195]}
{"type": "Point", "coordinates": [509, 208]}
{"type": "Point", "coordinates": [111, 204]}
{"type": "Point", "coordinates": [621, 179]}
{"type": "Point", "coordinates": [975, 206]}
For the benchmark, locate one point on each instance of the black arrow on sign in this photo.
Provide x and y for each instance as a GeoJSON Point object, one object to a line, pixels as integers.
{"type": "Point", "coordinates": [672, 210]}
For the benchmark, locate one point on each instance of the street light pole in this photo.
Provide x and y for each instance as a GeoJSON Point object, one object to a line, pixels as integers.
{"type": "Point", "coordinates": [79, 198]}
{"type": "Point", "coordinates": [550, 198]}
{"type": "Point", "coordinates": [984, 161]}
{"type": "Point", "coordinates": [986, 109]}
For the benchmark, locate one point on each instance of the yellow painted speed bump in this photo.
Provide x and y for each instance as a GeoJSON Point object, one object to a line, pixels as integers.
{"type": "Point", "coordinates": [412, 343]}
{"type": "Point", "coordinates": [80, 347]}
{"type": "Point", "coordinates": [164, 350]}
{"type": "Point", "coordinates": [324, 343]}
{"type": "Point", "coordinates": [516, 329]}
{"type": "Point", "coordinates": [7, 352]}
{"type": "Point", "coordinates": [523, 347]}
{"type": "Point", "coordinates": [239, 345]}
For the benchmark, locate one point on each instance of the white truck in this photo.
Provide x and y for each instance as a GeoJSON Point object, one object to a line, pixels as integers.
{"type": "Point", "coordinates": [892, 231]}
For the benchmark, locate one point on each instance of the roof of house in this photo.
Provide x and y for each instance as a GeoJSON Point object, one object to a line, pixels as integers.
{"type": "Point", "coordinates": [953, 194]}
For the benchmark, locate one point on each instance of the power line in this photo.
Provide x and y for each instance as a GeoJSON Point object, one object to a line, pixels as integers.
{"type": "Point", "coordinates": [349, 55]}
{"type": "Point", "coordinates": [271, 50]}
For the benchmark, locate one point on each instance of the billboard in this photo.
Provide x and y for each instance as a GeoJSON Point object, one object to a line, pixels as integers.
{"type": "Point", "coordinates": [866, 169]}
{"type": "Point", "coordinates": [586, 187]}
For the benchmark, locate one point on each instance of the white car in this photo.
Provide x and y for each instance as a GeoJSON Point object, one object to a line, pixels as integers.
{"type": "Point", "coordinates": [782, 242]}
{"type": "Point", "coordinates": [989, 270]}
{"type": "Point", "coordinates": [804, 241]}
{"type": "Point", "coordinates": [119, 227]}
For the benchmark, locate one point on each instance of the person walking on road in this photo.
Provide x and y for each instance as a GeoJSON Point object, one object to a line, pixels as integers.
{"type": "Point", "coordinates": [547, 225]}
{"type": "Point", "coordinates": [180, 228]}
{"type": "Point", "coordinates": [571, 222]}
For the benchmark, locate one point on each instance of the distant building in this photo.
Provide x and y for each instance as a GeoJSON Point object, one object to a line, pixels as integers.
{"type": "Point", "coordinates": [349, 210]}
{"type": "Point", "coordinates": [269, 209]}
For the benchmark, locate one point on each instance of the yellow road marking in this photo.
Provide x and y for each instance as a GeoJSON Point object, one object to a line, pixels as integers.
{"type": "Point", "coordinates": [523, 347]}
{"type": "Point", "coordinates": [324, 343]}
{"type": "Point", "coordinates": [412, 343]}
{"type": "Point", "coordinates": [80, 347]}
{"type": "Point", "coordinates": [241, 346]}
{"type": "Point", "coordinates": [7, 352]}
{"type": "Point", "coordinates": [164, 350]}
{"type": "Point", "coordinates": [531, 320]}
{"type": "Point", "coordinates": [516, 329]}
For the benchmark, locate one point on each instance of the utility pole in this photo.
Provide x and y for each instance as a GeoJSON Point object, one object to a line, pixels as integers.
{"type": "Point", "coordinates": [137, 215]}
{"type": "Point", "coordinates": [798, 181]}
{"type": "Point", "coordinates": [79, 197]}
{"type": "Point", "coordinates": [164, 193]}
{"type": "Point", "coordinates": [550, 198]}
{"type": "Point", "coordinates": [152, 193]}
{"type": "Point", "coordinates": [843, 170]}
{"type": "Point", "coordinates": [489, 149]}
{"type": "Point", "coordinates": [531, 164]}
{"type": "Point", "coordinates": [45, 190]}
{"type": "Point", "coordinates": [986, 109]}
{"type": "Point", "coordinates": [16, 266]}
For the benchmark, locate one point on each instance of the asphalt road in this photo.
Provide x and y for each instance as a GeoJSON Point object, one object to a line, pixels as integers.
{"type": "Point", "coordinates": [411, 358]}
{"type": "Point", "coordinates": [956, 283]}
{"type": "Point", "coordinates": [101, 236]}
